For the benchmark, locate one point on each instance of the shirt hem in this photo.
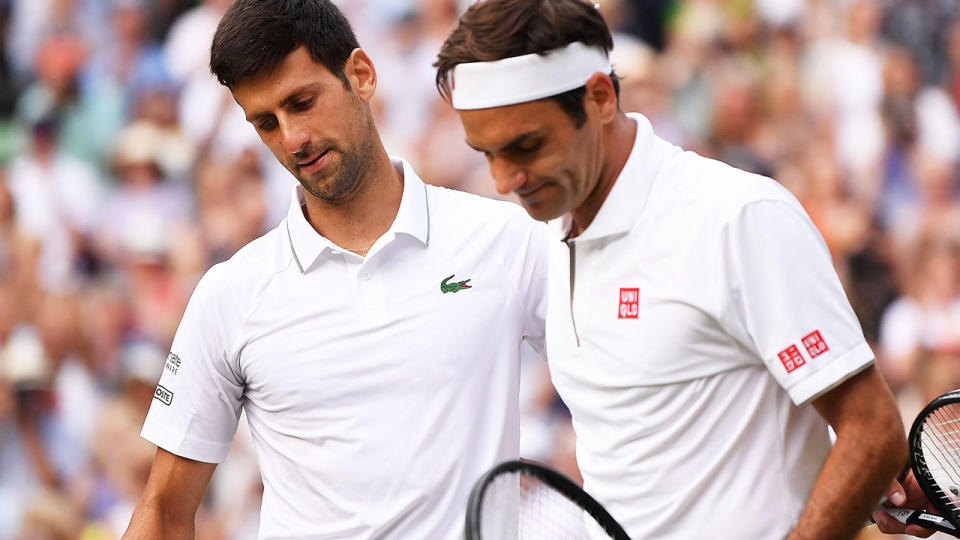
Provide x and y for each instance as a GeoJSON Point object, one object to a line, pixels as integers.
{"type": "Point", "coordinates": [827, 378]}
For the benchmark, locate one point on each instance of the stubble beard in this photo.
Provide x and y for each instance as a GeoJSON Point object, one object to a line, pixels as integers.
{"type": "Point", "coordinates": [344, 181]}
{"type": "Point", "coordinates": [347, 180]}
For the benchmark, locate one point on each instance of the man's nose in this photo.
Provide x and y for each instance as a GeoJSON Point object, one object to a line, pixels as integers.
{"type": "Point", "coordinates": [507, 177]}
{"type": "Point", "coordinates": [294, 136]}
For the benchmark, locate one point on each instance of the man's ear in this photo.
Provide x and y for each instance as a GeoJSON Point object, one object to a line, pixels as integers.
{"type": "Point", "coordinates": [602, 96]}
{"type": "Point", "coordinates": [361, 74]}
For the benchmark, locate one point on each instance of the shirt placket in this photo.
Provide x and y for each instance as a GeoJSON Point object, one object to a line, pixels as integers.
{"type": "Point", "coordinates": [369, 284]}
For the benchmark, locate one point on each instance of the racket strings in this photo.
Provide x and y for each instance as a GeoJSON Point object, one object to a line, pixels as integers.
{"type": "Point", "coordinates": [939, 442]}
{"type": "Point", "coordinates": [521, 507]}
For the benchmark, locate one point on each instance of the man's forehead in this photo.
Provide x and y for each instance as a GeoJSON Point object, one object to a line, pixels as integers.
{"type": "Point", "coordinates": [296, 70]}
{"type": "Point", "coordinates": [499, 126]}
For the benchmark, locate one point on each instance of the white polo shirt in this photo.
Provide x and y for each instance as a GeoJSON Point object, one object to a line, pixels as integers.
{"type": "Point", "coordinates": [374, 398]}
{"type": "Point", "coordinates": [705, 314]}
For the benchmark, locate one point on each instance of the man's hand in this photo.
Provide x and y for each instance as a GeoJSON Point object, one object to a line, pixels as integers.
{"type": "Point", "coordinates": [905, 495]}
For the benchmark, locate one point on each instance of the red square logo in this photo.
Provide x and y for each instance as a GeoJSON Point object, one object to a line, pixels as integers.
{"type": "Point", "coordinates": [791, 358]}
{"type": "Point", "coordinates": [629, 303]}
{"type": "Point", "coordinates": [815, 344]}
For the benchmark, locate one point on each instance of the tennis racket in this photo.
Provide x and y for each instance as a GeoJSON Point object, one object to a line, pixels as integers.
{"type": "Point", "coordinates": [518, 500]}
{"type": "Point", "coordinates": [934, 443]}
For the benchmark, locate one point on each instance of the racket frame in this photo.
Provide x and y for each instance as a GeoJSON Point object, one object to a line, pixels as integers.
{"type": "Point", "coordinates": [919, 465]}
{"type": "Point", "coordinates": [556, 480]}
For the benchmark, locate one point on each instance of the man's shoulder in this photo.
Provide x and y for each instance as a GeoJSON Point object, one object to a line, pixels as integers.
{"type": "Point", "coordinates": [452, 208]}
{"type": "Point", "coordinates": [722, 188]}
{"type": "Point", "coordinates": [245, 272]}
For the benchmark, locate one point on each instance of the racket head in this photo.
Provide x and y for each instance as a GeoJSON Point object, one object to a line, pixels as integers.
{"type": "Point", "coordinates": [935, 454]}
{"type": "Point", "coordinates": [496, 506]}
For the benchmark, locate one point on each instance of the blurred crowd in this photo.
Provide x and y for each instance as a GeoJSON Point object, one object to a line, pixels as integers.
{"type": "Point", "coordinates": [126, 171]}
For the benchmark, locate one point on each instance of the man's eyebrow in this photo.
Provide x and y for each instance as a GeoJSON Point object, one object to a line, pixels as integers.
{"type": "Point", "coordinates": [512, 146]}
{"type": "Point", "coordinates": [294, 94]}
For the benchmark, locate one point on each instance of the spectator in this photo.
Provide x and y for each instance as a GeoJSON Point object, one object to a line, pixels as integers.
{"type": "Point", "coordinates": [928, 316]}
{"type": "Point", "coordinates": [57, 200]}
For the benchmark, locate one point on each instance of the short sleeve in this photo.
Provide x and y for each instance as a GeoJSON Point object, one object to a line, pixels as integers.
{"type": "Point", "coordinates": [533, 288]}
{"type": "Point", "coordinates": [787, 297]}
{"type": "Point", "coordinates": [196, 405]}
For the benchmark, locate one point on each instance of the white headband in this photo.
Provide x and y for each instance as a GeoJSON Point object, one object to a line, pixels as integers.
{"type": "Point", "coordinates": [481, 85]}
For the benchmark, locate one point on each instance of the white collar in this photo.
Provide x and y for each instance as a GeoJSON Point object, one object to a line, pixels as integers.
{"type": "Point", "coordinates": [412, 219]}
{"type": "Point", "coordinates": [630, 190]}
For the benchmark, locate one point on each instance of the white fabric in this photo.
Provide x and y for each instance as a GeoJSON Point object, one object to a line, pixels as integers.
{"type": "Point", "coordinates": [685, 415]}
{"type": "Point", "coordinates": [481, 85]}
{"type": "Point", "coordinates": [374, 400]}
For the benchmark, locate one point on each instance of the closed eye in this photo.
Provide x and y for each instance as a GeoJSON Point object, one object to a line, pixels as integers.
{"type": "Point", "coordinates": [527, 148]}
{"type": "Point", "coordinates": [302, 105]}
{"type": "Point", "coordinates": [267, 124]}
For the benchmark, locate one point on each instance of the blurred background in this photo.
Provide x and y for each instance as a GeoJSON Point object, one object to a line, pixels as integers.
{"type": "Point", "coordinates": [126, 171]}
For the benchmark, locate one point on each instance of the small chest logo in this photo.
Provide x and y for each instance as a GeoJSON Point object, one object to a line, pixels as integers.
{"type": "Point", "coordinates": [629, 303]}
{"type": "Point", "coordinates": [815, 344]}
{"type": "Point", "coordinates": [163, 395]}
{"type": "Point", "coordinates": [456, 286]}
{"type": "Point", "coordinates": [791, 358]}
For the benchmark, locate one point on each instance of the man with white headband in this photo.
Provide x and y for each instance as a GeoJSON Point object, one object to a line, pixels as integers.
{"type": "Point", "coordinates": [697, 329]}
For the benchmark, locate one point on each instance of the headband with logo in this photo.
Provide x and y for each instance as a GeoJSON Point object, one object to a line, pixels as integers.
{"type": "Point", "coordinates": [481, 85]}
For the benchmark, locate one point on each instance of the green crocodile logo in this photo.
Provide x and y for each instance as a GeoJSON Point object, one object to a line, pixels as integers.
{"type": "Point", "coordinates": [453, 287]}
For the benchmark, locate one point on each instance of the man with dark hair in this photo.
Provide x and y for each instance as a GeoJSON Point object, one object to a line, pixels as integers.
{"type": "Point", "coordinates": [696, 327]}
{"type": "Point", "coordinates": [373, 338]}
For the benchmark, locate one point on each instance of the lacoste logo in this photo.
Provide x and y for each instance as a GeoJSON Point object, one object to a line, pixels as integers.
{"type": "Point", "coordinates": [455, 286]}
{"type": "Point", "coordinates": [163, 395]}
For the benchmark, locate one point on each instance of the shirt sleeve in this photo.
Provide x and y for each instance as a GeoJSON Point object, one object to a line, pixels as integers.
{"type": "Point", "coordinates": [196, 405]}
{"type": "Point", "coordinates": [788, 298]}
{"type": "Point", "coordinates": [533, 287]}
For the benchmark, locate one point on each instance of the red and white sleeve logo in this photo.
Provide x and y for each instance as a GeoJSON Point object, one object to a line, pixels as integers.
{"type": "Point", "coordinates": [815, 344]}
{"type": "Point", "coordinates": [791, 358]}
{"type": "Point", "coordinates": [629, 303]}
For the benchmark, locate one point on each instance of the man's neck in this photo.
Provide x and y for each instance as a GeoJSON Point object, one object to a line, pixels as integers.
{"type": "Point", "coordinates": [357, 223]}
{"type": "Point", "coordinates": [620, 136]}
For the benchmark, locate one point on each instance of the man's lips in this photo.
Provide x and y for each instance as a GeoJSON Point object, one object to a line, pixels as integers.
{"type": "Point", "coordinates": [313, 163]}
{"type": "Point", "coordinates": [528, 191]}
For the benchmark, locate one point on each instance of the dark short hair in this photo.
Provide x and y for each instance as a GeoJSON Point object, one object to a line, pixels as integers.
{"type": "Point", "coordinates": [256, 35]}
{"type": "Point", "coordinates": [496, 29]}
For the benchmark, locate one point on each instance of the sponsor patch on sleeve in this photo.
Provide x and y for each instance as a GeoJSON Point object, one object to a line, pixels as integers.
{"type": "Point", "coordinates": [791, 358]}
{"type": "Point", "coordinates": [173, 363]}
{"type": "Point", "coordinates": [163, 395]}
{"type": "Point", "coordinates": [815, 344]}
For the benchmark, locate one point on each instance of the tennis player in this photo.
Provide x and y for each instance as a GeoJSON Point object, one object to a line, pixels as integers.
{"type": "Point", "coordinates": [696, 327]}
{"type": "Point", "coordinates": [373, 338]}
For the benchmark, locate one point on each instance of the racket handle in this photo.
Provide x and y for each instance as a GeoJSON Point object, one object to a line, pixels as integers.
{"type": "Point", "coordinates": [908, 516]}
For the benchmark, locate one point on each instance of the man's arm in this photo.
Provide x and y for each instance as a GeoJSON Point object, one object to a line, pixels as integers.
{"type": "Point", "coordinates": [871, 449]}
{"type": "Point", "coordinates": [169, 503]}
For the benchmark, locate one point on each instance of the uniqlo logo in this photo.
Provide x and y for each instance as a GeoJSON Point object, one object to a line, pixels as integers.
{"type": "Point", "coordinates": [629, 303]}
{"type": "Point", "coordinates": [815, 344]}
{"type": "Point", "coordinates": [791, 358]}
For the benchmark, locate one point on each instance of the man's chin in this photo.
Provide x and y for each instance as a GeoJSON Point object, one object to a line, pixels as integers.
{"type": "Point", "coordinates": [540, 212]}
{"type": "Point", "coordinates": [329, 190]}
